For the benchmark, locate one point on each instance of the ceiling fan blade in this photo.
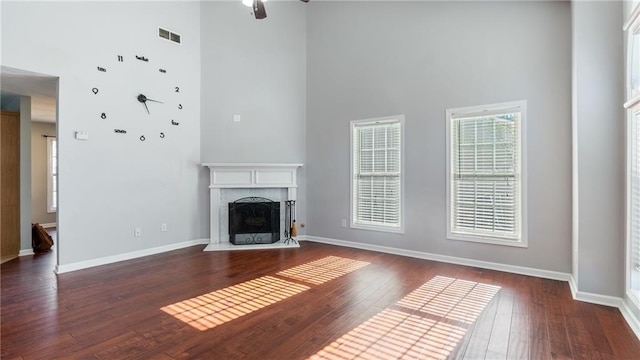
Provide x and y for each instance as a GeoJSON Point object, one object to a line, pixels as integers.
{"type": "Point", "coordinates": [258, 9]}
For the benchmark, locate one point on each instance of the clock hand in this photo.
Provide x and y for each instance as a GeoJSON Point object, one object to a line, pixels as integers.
{"type": "Point", "coordinates": [143, 99]}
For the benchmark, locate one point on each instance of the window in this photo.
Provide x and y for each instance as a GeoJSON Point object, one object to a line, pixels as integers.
{"type": "Point", "coordinates": [632, 28]}
{"type": "Point", "coordinates": [376, 174]}
{"type": "Point", "coordinates": [52, 175]}
{"type": "Point", "coordinates": [486, 192]}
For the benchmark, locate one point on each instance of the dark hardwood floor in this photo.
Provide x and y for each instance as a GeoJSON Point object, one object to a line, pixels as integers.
{"type": "Point", "coordinates": [317, 302]}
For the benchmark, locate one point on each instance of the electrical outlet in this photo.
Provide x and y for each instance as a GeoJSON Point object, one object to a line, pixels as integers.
{"type": "Point", "coordinates": [137, 232]}
{"type": "Point", "coordinates": [344, 222]}
{"type": "Point", "coordinates": [163, 227]}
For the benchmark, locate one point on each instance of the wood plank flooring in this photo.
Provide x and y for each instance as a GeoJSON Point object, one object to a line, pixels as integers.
{"type": "Point", "coordinates": [189, 304]}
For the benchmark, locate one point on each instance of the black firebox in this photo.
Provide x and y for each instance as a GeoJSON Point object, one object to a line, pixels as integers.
{"type": "Point", "coordinates": [254, 220]}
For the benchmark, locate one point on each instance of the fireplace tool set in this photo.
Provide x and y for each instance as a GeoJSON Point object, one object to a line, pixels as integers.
{"type": "Point", "coordinates": [290, 228]}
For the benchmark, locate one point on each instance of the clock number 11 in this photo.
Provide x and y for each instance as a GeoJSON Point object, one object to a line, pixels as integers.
{"type": "Point", "coordinates": [120, 58]}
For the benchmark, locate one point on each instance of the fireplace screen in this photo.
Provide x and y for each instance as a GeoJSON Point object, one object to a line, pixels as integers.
{"type": "Point", "coordinates": [254, 220]}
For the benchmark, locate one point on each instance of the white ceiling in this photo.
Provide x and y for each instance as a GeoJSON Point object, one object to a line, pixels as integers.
{"type": "Point", "coordinates": [41, 88]}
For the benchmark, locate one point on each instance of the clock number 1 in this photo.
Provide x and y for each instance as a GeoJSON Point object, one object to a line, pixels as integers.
{"type": "Point", "coordinates": [120, 58]}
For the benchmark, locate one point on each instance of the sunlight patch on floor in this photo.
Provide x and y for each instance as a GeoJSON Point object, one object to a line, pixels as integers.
{"type": "Point", "coordinates": [428, 323]}
{"type": "Point", "coordinates": [221, 306]}
{"type": "Point", "coordinates": [323, 270]}
{"type": "Point", "coordinates": [454, 299]}
{"type": "Point", "coordinates": [218, 307]}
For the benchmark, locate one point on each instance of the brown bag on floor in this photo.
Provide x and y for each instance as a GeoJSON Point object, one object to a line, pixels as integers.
{"type": "Point", "coordinates": [40, 239]}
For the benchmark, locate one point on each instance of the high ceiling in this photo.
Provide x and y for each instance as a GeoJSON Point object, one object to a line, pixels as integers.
{"type": "Point", "coordinates": [41, 88]}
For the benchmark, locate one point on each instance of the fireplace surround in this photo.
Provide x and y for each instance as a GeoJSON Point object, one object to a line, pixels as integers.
{"type": "Point", "coordinates": [232, 181]}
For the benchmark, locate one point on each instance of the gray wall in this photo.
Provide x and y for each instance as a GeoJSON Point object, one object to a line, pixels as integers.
{"type": "Point", "coordinates": [39, 172]}
{"type": "Point", "coordinates": [112, 181]}
{"type": "Point", "coordinates": [255, 69]}
{"type": "Point", "coordinates": [371, 59]}
{"type": "Point", "coordinates": [599, 143]}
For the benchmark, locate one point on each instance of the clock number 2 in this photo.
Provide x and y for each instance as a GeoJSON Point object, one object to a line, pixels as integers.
{"type": "Point", "coordinates": [104, 116]}
{"type": "Point", "coordinates": [177, 89]}
{"type": "Point", "coordinates": [180, 106]}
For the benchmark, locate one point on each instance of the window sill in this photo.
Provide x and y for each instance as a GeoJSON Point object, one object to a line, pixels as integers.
{"type": "Point", "coordinates": [487, 240]}
{"type": "Point", "coordinates": [398, 230]}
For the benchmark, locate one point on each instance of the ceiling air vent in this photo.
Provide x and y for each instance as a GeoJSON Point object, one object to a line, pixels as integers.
{"type": "Point", "coordinates": [169, 35]}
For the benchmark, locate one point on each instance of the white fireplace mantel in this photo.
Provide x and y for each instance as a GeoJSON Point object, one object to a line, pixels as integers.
{"type": "Point", "coordinates": [245, 176]}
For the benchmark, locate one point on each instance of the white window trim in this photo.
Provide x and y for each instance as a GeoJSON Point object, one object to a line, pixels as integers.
{"type": "Point", "coordinates": [631, 27]}
{"type": "Point", "coordinates": [50, 190]}
{"type": "Point", "coordinates": [487, 109]}
{"type": "Point", "coordinates": [353, 223]}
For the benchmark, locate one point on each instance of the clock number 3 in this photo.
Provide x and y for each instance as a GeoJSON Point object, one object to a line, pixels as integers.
{"type": "Point", "coordinates": [104, 116]}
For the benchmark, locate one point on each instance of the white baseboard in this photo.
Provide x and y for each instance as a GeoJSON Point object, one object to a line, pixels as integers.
{"type": "Point", "coordinates": [632, 319]}
{"type": "Point", "coordinates": [26, 252]}
{"type": "Point", "coordinates": [49, 225]}
{"type": "Point", "coordinates": [592, 298]}
{"type": "Point", "coordinates": [60, 269]}
{"type": "Point", "coordinates": [554, 275]}
{"type": "Point", "coordinates": [573, 286]}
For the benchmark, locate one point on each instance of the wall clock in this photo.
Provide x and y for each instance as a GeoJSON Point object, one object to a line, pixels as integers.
{"type": "Point", "coordinates": [138, 98]}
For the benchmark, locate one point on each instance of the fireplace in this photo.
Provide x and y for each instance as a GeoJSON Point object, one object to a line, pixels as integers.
{"type": "Point", "coordinates": [254, 220]}
{"type": "Point", "coordinates": [231, 182]}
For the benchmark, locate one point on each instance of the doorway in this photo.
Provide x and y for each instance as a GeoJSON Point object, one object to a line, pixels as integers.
{"type": "Point", "coordinates": [34, 97]}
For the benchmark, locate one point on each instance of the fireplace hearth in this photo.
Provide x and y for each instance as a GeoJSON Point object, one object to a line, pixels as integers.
{"type": "Point", "coordinates": [254, 220]}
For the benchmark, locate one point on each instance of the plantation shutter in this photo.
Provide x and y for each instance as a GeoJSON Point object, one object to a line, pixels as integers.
{"type": "Point", "coordinates": [376, 172]}
{"type": "Point", "coordinates": [486, 182]}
